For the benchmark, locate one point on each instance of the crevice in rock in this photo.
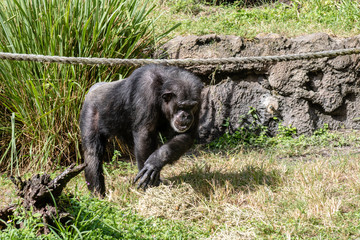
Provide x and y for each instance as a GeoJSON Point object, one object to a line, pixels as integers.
{"type": "Point", "coordinates": [315, 80]}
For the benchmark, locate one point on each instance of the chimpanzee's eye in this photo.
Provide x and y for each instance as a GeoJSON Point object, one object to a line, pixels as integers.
{"type": "Point", "coordinates": [168, 96]}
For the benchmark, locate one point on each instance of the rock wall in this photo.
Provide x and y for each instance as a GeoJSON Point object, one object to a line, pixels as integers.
{"type": "Point", "coordinates": [305, 94]}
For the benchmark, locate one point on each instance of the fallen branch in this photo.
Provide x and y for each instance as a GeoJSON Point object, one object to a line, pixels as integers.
{"type": "Point", "coordinates": [40, 194]}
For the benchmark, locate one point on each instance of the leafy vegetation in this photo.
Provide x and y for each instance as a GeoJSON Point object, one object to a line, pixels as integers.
{"type": "Point", "coordinates": [250, 133]}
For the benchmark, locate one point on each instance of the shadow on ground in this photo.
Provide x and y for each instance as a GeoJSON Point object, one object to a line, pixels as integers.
{"type": "Point", "coordinates": [248, 179]}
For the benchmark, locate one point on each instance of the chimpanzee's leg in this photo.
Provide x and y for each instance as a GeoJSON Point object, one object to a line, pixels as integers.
{"type": "Point", "coordinates": [93, 145]}
{"type": "Point", "coordinates": [93, 154]}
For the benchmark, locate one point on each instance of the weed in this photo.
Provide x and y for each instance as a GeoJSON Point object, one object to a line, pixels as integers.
{"type": "Point", "coordinates": [286, 132]}
{"type": "Point", "coordinates": [250, 133]}
{"type": "Point", "coordinates": [116, 155]}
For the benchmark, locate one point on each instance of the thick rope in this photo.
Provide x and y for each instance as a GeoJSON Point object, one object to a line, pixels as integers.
{"type": "Point", "coordinates": [178, 62]}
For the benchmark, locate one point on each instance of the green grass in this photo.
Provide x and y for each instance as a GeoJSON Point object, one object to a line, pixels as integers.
{"type": "Point", "coordinates": [98, 219]}
{"type": "Point", "coordinates": [340, 18]}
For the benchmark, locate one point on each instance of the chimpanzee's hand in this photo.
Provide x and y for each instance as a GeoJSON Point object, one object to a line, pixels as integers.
{"type": "Point", "coordinates": [149, 176]}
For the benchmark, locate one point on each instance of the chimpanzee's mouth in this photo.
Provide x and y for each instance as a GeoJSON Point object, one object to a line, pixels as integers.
{"type": "Point", "coordinates": [180, 128]}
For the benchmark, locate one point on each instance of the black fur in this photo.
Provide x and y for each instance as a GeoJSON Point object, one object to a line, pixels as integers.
{"type": "Point", "coordinates": [153, 99]}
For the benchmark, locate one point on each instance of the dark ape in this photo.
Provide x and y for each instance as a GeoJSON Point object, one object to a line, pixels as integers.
{"type": "Point", "coordinates": [153, 99]}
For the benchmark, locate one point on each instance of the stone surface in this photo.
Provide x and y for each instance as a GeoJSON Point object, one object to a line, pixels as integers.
{"type": "Point", "coordinates": [305, 93]}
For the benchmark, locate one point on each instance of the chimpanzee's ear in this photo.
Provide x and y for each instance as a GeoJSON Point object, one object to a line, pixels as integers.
{"type": "Point", "coordinates": [167, 96]}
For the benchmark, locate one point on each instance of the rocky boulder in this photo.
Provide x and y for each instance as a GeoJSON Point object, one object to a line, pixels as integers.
{"type": "Point", "coordinates": [305, 94]}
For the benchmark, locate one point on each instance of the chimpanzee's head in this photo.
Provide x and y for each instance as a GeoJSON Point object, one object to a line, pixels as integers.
{"type": "Point", "coordinates": [181, 101]}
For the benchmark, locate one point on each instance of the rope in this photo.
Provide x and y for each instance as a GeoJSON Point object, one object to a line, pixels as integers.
{"type": "Point", "coordinates": [178, 62]}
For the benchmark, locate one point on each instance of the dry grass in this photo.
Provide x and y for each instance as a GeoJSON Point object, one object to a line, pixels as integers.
{"type": "Point", "coordinates": [278, 193]}
{"type": "Point", "coordinates": [253, 194]}
{"type": "Point", "coordinates": [7, 194]}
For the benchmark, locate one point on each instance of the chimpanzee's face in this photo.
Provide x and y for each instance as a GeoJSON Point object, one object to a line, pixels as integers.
{"type": "Point", "coordinates": [179, 107]}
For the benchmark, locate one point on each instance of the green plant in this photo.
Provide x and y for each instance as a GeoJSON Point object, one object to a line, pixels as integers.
{"type": "Point", "coordinates": [250, 133]}
{"type": "Point", "coordinates": [322, 131]}
{"type": "Point", "coordinates": [46, 98]}
{"type": "Point", "coordinates": [117, 154]}
{"type": "Point", "coordinates": [286, 132]}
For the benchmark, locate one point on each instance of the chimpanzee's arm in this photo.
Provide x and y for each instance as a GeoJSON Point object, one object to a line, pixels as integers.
{"type": "Point", "coordinates": [145, 144]}
{"type": "Point", "coordinates": [167, 153]}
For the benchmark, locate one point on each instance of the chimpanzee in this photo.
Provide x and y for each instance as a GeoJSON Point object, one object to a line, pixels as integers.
{"type": "Point", "coordinates": [153, 99]}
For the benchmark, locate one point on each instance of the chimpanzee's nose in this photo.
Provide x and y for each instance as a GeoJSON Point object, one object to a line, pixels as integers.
{"type": "Point", "coordinates": [185, 117]}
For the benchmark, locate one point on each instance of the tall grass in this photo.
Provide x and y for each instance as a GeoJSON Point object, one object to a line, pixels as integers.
{"type": "Point", "coordinates": [46, 98]}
